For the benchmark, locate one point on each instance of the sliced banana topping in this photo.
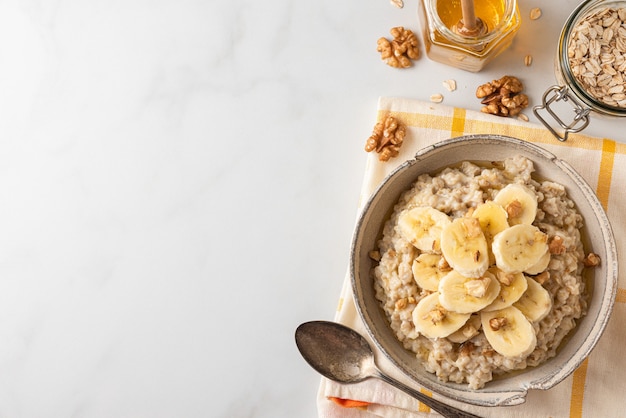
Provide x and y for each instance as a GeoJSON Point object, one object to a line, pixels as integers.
{"type": "Point", "coordinates": [428, 269]}
{"type": "Point", "coordinates": [540, 266]}
{"type": "Point", "coordinates": [519, 247]}
{"type": "Point", "coordinates": [467, 331]}
{"type": "Point", "coordinates": [519, 202]}
{"type": "Point", "coordinates": [475, 266]}
{"type": "Point", "coordinates": [433, 320]}
{"type": "Point", "coordinates": [536, 302]}
{"type": "Point", "coordinates": [422, 227]}
{"type": "Point", "coordinates": [492, 218]}
{"type": "Point", "coordinates": [461, 294]}
{"type": "Point", "coordinates": [464, 246]}
{"type": "Point", "coordinates": [512, 287]}
{"type": "Point", "coordinates": [509, 332]}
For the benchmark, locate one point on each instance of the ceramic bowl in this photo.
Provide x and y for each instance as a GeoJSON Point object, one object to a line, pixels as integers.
{"type": "Point", "coordinates": [510, 389]}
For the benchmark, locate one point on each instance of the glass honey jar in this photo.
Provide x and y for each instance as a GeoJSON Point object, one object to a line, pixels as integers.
{"type": "Point", "coordinates": [441, 20]}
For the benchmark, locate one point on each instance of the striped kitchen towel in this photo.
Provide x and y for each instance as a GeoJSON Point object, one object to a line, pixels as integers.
{"type": "Point", "coordinates": [596, 388]}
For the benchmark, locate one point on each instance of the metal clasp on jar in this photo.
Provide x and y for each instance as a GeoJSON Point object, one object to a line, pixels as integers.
{"type": "Point", "coordinates": [581, 113]}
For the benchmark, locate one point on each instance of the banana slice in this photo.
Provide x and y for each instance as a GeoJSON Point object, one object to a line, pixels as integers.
{"type": "Point", "coordinates": [433, 320]}
{"type": "Point", "coordinates": [467, 331]}
{"type": "Point", "coordinates": [509, 332]}
{"type": "Point", "coordinates": [512, 287]}
{"type": "Point", "coordinates": [518, 248]}
{"type": "Point", "coordinates": [519, 202]}
{"type": "Point", "coordinates": [422, 227]}
{"type": "Point", "coordinates": [493, 219]}
{"type": "Point", "coordinates": [427, 271]}
{"type": "Point", "coordinates": [461, 294]}
{"type": "Point", "coordinates": [540, 266]}
{"type": "Point", "coordinates": [464, 246]}
{"type": "Point", "coordinates": [536, 302]}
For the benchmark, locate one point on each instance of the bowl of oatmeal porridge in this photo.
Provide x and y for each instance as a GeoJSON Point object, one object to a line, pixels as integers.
{"type": "Point", "coordinates": [483, 268]}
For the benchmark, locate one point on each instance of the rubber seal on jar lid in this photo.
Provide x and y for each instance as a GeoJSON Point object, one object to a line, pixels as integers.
{"type": "Point", "coordinates": [581, 114]}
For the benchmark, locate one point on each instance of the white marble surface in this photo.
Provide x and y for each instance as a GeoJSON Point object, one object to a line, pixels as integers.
{"type": "Point", "coordinates": [178, 185]}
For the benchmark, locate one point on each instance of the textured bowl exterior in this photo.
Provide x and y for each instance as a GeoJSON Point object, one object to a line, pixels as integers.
{"type": "Point", "coordinates": [598, 235]}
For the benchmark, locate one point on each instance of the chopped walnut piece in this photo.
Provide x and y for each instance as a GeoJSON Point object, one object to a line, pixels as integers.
{"type": "Point", "coordinates": [401, 303]}
{"type": "Point", "coordinates": [477, 287]}
{"type": "Point", "coordinates": [386, 139]}
{"type": "Point", "coordinates": [592, 260]}
{"type": "Point", "coordinates": [466, 348]}
{"type": "Point", "coordinates": [399, 52]}
{"type": "Point", "coordinates": [514, 209]}
{"type": "Point", "coordinates": [497, 323]}
{"type": "Point", "coordinates": [505, 278]}
{"type": "Point", "coordinates": [472, 227]}
{"type": "Point", "coordinates": [503, 97]}
{"type": "Point", "coordinates": [469, 331]}
{"type": "Point", "coordinates": [437, 315]}
{"type": "Point", "coordinates": [556, 246]}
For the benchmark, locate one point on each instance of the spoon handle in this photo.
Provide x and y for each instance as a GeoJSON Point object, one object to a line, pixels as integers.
{"type": "Point", "coordinates": [445, 410]}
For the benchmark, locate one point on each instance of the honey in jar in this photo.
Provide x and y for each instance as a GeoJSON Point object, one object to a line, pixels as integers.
{"type": "Point", "coordinates": [446, 42]}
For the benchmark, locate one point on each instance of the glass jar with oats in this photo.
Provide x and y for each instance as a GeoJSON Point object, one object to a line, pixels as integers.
{"type": "Point", "coordinates": [590, 67]}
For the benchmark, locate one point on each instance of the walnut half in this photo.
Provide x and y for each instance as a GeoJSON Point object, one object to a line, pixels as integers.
{"type": "Point", "coordinates": [386, 138]}
{"type": "Point", "coordinates": [399, 52]}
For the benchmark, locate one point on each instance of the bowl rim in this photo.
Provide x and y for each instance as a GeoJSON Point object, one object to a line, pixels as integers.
{"type": "Point", "coordinates": [488, 396]}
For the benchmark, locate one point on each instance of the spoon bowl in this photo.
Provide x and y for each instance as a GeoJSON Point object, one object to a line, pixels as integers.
{"type": "Point", "coordinates": [341, 354]}
{"type": "Point", "coordinates": [335, 351]}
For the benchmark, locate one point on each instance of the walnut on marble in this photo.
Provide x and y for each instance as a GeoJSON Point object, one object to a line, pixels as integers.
{"type": "Point", "coordinates": [401, 50]}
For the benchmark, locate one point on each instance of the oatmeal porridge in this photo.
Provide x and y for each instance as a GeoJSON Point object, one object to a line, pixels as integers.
{"type": "Point", "coordinates": [480, 270]}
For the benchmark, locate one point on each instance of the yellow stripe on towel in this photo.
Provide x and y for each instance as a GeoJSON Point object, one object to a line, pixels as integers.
{"type": "Point", "coordinates": [420, 120]}
{"type": "Point", "coordinates": [602, 190]}
{"type": "Point", "coordinates": [578, 390]}
{"type": "Point", "coordinates": [606, 172]}
{"type": "Point", "coordinates": [458, 122]}
{"type": "Point", "coordinates": [422, 407]}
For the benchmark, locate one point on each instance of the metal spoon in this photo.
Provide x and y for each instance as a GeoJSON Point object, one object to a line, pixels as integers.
{"type": "Point", "coordinates": [343, 355]}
